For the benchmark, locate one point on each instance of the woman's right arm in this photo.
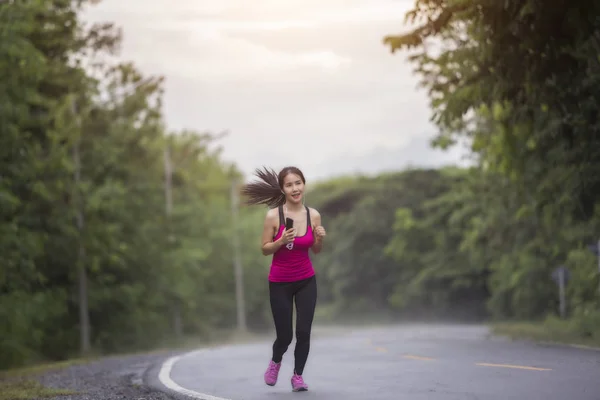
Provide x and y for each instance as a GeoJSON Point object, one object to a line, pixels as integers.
{"type": "Point", "coordinates": [268, 245]}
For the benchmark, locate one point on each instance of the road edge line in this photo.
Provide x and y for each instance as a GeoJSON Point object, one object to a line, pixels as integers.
{"type": "Point", "coordinates": [164, 376]}
{"type": "Point", "coordinates": [542, 342]}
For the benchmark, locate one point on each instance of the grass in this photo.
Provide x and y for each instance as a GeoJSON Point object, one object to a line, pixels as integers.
{"type": "Point", "coordinates": [552, 330]}
{"type": "Point", "coordinates": [17, 384]}
{"type": "Point", "coordinates": [28, 389]}
{"type": "Point", "coordinates": [42, 368]}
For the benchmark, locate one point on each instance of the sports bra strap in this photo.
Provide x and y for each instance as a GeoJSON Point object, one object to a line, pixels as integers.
{"type": "Point", "coordinates": [281, 219]}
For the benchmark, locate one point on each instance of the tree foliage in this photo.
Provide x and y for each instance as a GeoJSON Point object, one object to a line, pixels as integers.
{"type": "Point", "coordinates": [148, 275]}
{"type": "Point", "coordinates": [518, 79]}
{"type": "Point", "coordinates": [87, 233]}
{"type": "Point", "coordinates": [450, 244]}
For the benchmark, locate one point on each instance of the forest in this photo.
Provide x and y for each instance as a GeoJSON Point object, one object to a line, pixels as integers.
{"type": "Point", "coordinates": [117, 232]}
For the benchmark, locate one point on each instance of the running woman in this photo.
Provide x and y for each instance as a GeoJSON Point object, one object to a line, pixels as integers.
{"type": "Point", "coordinates": [291, 273]}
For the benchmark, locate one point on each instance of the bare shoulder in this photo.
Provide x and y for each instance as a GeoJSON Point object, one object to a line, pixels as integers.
{"type": "Point", "coordinates": [271, 220]}
{"type": "Point", "coordinates": [314, 214]}
{"type": "Point", "coordinates": [314, 211]}
{"type": "Point", "coordinates": [272, 215]}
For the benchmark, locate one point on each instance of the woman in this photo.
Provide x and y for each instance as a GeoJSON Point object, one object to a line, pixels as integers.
{"type": "Point", "coordinates": [291, 274]}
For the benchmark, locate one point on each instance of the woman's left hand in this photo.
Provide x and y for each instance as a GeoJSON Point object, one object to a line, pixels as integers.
{"type": "Point", "coordinates": [320, 232]}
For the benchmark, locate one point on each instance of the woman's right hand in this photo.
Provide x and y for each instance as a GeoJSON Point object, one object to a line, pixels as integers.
{"type": "Point", "coordinates": [288, 236]}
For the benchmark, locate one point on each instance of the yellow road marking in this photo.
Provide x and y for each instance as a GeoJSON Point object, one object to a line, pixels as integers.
{"type": "Point", "coordinates": [377, 348]}
{"type": "Point", "coordinates": [418, 358]}
{"type": "Point", "coordinates": [513, 366]}
{"type": "Point", "coordinates": [414, 357]}
{"type": "Point", "coordinates": [381, 349]}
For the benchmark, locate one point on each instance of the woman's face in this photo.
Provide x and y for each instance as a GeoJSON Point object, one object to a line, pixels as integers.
{"type": "Point", "coordinates": [293, 187]}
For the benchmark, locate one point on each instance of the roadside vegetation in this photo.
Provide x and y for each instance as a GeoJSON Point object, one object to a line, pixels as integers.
{"type": "Point", "coordinates": [97, 260]}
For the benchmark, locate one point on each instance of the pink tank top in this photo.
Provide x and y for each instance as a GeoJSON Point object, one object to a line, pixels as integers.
{"type": "Point", "coordinates": [292, 261]}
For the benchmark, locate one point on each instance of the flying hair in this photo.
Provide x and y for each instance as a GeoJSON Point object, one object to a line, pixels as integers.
{"type": "Point", "coordinates": [269, 189]}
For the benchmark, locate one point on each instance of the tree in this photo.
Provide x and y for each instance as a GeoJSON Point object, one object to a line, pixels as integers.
{"type": "Point", "coordinates": [102, 124]}
{"type": "Point", "coordinates": [517, 78]}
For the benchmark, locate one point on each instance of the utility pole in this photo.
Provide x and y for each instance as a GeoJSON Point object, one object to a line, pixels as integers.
{"type": "Point", "coordinates": [168, 183]}
{"type": "Point", "coordinates": [598, 253]}
{"type": "Point", "coordinates": [237, 261]}
{"type": "Point", "coordinates": [561, 293]}
{"type": "Point", "coordinates": [561, 276]}
{"type": "Point", "coordinates": [84, 317]}
{"type": "Point", "coordinates": [177, 323]}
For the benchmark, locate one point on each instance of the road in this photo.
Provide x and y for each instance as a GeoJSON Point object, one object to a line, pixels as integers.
{"type": "Point", "coordinates": [413, 362]}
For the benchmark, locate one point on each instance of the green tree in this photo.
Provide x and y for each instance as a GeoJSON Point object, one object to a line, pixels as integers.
{"type": "Point", "coordinates": [87, 145]}
{"type": "Point", "coordinates": [517, 80]}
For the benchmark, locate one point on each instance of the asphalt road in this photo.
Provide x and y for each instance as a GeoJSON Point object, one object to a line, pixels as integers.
{"type": "Point", "coordinates": [393, 363]}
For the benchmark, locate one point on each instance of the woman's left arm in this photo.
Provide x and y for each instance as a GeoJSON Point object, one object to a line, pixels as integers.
{"type": "Point", "coordinates": [318, 231]}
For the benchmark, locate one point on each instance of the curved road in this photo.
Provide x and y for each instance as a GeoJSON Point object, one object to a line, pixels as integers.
{"type": "Point", "coordinates": [415, 362]}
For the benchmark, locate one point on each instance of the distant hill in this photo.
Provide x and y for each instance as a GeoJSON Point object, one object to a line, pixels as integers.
{"type": "Point", "coordinates": [416, 154]}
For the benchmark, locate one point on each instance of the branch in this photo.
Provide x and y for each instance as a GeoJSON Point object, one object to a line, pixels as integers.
{"type": "Point", "coordinates": [432, 28]}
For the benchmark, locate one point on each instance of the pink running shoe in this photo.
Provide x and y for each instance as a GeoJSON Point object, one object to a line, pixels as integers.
{"type": "Point", "coordinates": [272, 373]}
{"type": "Point", "coordinates": [298, 384]}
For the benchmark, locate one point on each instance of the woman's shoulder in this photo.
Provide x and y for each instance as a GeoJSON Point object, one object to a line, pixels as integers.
{"type": "Point", "coordinates": [273, 213]}
{"type": "Point", "coordinates": [313, 212]}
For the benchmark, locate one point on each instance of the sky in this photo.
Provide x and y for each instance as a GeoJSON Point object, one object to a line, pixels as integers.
{"type": "Point", "coordinates": [306, 83]}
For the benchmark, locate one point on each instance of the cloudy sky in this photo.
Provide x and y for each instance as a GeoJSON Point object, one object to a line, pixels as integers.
{"type": "Point", "coordinates": [302, 82]}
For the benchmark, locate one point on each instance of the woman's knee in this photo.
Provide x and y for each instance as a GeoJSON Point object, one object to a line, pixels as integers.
{"type": "Point", "coordinates": [285, 339]}
{"type": "Point", "coordinates": [303, 336]}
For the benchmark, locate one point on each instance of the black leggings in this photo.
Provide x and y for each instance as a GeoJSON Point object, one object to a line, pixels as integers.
{"type": "Point", "coordinates": [282, 294]}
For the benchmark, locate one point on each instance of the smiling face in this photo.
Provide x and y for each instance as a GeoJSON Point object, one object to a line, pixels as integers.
{"type": "Point", "coordinates": [293, 187]}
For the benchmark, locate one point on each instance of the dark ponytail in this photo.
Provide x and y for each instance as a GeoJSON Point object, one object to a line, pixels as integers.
{"type": "Point", "coordinates": [266, 191]}
{"type": "Point", "coordinates": [269, 190]}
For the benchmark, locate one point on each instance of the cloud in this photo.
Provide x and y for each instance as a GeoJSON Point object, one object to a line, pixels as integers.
{"type": "Point", "coordinates": [216, 56]}
{"type": "Point", "coordinates": [302, 82]}
{"type": "Point", "coordinates": [259, 14]}
{"type": "Point", "coordinates": [206, 46]}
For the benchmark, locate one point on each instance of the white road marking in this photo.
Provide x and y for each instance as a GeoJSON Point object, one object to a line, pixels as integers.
{"type": "Point", "coordinates": [165, 378]}
{"type": "Point", "coordinates": [513, 366]}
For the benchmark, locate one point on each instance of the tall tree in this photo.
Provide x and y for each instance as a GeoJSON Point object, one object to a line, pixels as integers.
{"type": "Point", "coordinates": [518, 79]}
